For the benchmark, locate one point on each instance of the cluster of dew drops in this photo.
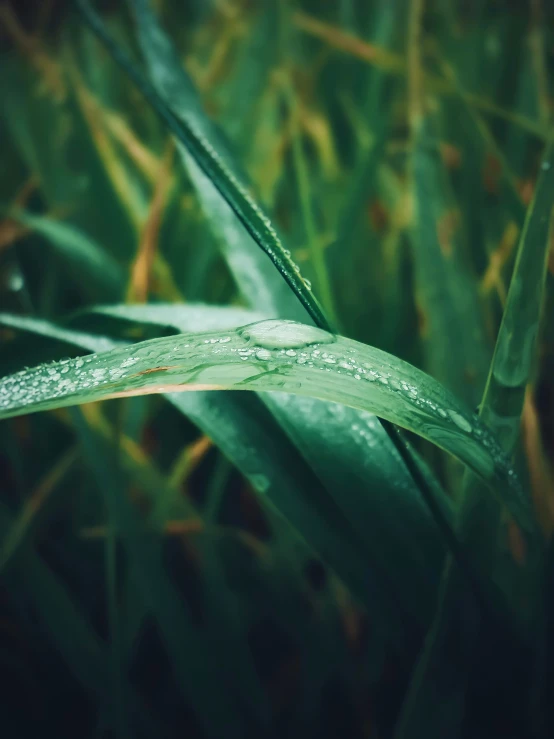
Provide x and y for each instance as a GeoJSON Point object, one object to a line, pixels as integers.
{"type": "Point", "coordinates": [285, 348]}
{"type": "Point", "coordinates": [64, 377]}
{"type": "Point", "coordinates": [279, 342]}
{"type": "Point", "coordinates": [282, 342]}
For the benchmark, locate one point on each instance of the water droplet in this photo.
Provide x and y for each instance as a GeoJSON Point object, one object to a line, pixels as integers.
{"type": "Point", "coordinates": [545, 166]}
{"type": "Point", "coordinates": [263, 354]}
{"type": "Point", "coordinates": [284, 335]}
{"type": "Point", "coordinates": [260, 482]}
{"type": "Point", "coordinates": [460, 421]}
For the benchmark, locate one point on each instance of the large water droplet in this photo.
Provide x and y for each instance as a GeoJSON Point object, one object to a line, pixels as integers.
{"type": "Point", "coordinates": [512, 364]}
{"type": "Point", "coordinates": [284, 335]}
{"type": "Point", "coordinates": [260, 482]}
{"type": "Point", "coordinates": [263, 354]}
{"type": "Point", "coordinates": [460, 421]}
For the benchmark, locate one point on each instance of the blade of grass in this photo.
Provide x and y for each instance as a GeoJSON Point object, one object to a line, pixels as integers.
{"type": "Point", "coordinates": [191, 131]}
{"type": "Point", "coordinates": [317, 256]}
{"type": "Point", "coordinates": [255, 358]}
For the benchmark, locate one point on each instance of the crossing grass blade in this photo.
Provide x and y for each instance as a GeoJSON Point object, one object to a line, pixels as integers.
{"type": "Point", "coordinates": [193, 132]}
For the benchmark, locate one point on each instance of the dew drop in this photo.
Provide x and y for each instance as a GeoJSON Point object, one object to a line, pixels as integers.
{"type": "Point", "coordinates": [263, 354]}
{"type": "Point", "coordinates": [460, 421]}
{"type": "Point", "coordinates": [284, 335]}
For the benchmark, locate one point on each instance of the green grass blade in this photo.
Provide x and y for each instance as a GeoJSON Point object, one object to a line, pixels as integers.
{"type": "Point", "coordinates": [170, 86]}
{"type": "Point", "coordinates": [256, 277]}
{"type": "Point", "coordinates": [271, 356]}
{"type": "Point", "coordinates": [516, 346]}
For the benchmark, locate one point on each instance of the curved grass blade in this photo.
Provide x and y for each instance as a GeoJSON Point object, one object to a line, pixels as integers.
{"type": "Point", "coordinates": [270, 356]}
{"type": "Point", "coordinates": [516, 346]}
{"type": "Point", "coordinates": [192, 130]}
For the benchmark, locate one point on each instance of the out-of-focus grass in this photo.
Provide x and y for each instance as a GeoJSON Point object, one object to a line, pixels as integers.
{"type": "Point", "coordinates": [281, 580]}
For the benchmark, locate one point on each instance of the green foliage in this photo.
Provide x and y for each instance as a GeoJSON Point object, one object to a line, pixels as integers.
{"type": "Point", "coordinates": [344, 209]}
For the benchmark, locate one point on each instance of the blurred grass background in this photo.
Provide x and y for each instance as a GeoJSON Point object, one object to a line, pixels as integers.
{"type": "Point", "coordinates": [408, 235]}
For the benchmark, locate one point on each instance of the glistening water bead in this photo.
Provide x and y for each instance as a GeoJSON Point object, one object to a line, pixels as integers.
{"type": "Point", "coordinates": [284, 335]}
